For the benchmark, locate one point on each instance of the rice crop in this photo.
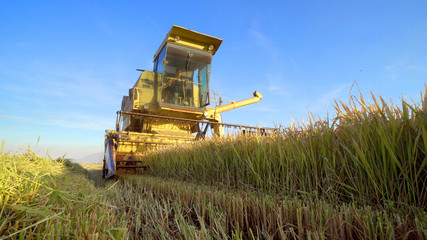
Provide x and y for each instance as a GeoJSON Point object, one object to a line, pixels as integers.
{"type": "Point", "coordinates": [45, 199]}
{"type": "Point", "coordinates": [359, 175]}
{"type": "Point", "coordinates": [371, 154]}
{"type": "Point", "coordinates": [375, 154]}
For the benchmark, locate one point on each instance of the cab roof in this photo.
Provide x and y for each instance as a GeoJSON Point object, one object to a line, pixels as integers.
{"type": "Point", "coordinates": [189, 38]}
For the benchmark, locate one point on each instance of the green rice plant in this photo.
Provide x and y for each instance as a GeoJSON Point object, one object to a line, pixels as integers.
{"type": "Point", "coordinates": [41, 198]}
{"type": "Point", "coordinates": [372, 154]}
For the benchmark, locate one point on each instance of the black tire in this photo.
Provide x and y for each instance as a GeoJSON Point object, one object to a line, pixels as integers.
{"type": "Point", "coordinates": [104, 170]}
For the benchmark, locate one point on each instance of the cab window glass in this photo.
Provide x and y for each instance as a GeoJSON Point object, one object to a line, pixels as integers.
{"type": "Point", "coordinates": [159, 64]}
{"type": "Point", "coordinates": [185, 77]}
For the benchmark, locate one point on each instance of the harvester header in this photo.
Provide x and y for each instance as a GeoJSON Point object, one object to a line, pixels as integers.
{"type": "Point", "coordinates": [172, 103]}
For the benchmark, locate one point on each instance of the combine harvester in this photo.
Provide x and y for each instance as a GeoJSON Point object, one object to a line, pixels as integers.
{"type": "Point", "coordinates": [170, 104]}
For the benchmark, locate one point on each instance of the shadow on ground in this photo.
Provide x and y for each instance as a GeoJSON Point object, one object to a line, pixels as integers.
{"type": "Point", "coordinates": [93, 171]}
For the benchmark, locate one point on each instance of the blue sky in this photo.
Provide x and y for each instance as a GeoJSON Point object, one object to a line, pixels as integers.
{"type": "Point", "coordinates": [64, 66]}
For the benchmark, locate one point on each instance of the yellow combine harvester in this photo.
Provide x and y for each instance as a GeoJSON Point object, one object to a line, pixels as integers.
{"type": "Point", "coordinates": [169, 105]}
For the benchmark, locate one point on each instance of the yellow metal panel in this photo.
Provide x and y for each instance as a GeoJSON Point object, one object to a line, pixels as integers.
{"type": "Point", "coordinates": [193, 38]}
{"type": "Point", "coordinates": [256, 98]}
{"type": "Point", "coordinates": [143, 91]}
{"type": "Point", "coordinates": [196, 93]}
{"type": "Point", "coordinates": [190, 38]}
{"type": "Point", "coordinates": [133, 144]}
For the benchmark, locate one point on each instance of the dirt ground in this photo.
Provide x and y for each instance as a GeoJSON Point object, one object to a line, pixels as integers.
{"type": "Point", "coordinates": [94, 171]}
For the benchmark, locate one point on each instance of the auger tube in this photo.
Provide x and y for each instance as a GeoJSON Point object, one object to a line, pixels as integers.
{"type": "Point", "coordinates": [212, 111]}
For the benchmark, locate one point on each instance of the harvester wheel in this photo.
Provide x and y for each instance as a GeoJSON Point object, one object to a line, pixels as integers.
{"type": "Point", "coordinates": [104, 170]}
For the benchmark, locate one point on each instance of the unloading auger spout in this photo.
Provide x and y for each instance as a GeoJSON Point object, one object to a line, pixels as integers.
{"type": "Point", "coordinates": [233, 105]}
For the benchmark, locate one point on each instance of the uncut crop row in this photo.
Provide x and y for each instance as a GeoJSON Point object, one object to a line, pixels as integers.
{"type": "Point", "coordinates": [372, 154]}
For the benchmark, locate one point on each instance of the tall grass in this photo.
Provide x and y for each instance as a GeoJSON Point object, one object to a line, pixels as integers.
{"type": "Point", "coordinates": [372, 153]}
{"type": "Point", "coordinates": [41, 199]}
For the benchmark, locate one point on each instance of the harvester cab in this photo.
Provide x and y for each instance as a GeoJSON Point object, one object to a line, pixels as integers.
{"type": "Point", "coordinates": [183, 65]}
{"type": "Point", "coordinates": [170, 105]}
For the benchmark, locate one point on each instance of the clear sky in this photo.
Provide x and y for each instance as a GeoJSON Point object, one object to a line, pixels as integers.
{"type": "Point", "coordinates": [65, 65]}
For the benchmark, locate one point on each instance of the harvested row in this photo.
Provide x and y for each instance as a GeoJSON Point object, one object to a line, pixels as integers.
{"type": "Point", "coordinates": [167, 209]}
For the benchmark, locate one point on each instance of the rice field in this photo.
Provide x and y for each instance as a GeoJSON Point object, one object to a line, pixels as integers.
{"type": "Point", "coordinates": [374, 154]}
{"type": "Point", "coordinates": [45, 199]}
{"type": "Point", "coordinates": [358, 175]}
